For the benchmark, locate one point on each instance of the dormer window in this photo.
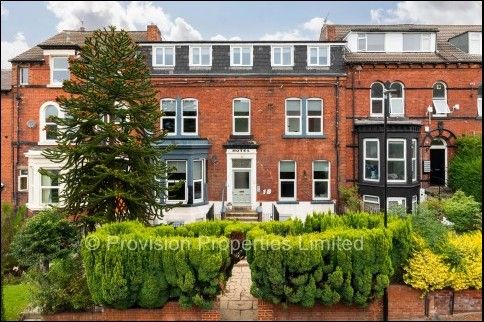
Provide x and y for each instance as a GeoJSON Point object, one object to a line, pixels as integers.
{"type": "Point", "coordinates": [241, 55]}
{"type": "Point", "coordinates": [475, 43]}
{"type": "Point", "coordinates": [371, 42]}
{"type": "Point", "coordinates": [201, 56]}
{"type": "Point", "coordinates": [282, 56]}
{"type": "Point", "coordinates": [59, 70]}
{"type": "Point", "coordinates": [318, 55]}
{"type": "Point", "coordinates": [416, 42]}
{"type": "Point", "coordinates": [164, 56]}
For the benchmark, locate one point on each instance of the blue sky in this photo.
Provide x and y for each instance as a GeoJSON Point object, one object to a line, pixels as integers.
{"type": "Point", "coordinates": [27, 23]}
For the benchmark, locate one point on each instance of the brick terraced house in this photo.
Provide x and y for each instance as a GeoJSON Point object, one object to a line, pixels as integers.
{"type": "Point", "coordinates": [272, 126]}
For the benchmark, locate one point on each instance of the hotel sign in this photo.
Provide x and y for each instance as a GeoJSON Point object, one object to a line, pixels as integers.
{"type": "Point", "coordinates": [242, 150]}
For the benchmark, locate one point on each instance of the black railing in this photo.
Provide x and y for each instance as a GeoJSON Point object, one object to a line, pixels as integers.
{"type": "Point", "coordinates": [275, 213]}
{"type": "Point", "coordinates": [210, 213]}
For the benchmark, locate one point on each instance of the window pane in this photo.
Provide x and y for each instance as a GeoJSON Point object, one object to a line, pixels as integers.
{"type": "Point", "coordinates": [377, 106]}
{"type": "Point", "coordinates": [197, 190]}
{"type": "Point", "coordinates": [361, 42]}
{"type": "Point", "coordinates": [241, 125]}
{"type": "Point", "coordinates": [246, 56]}
{"type": "Point", "coordinates": [23, 183]}
{"type": "Point", "coordinates": [286, 56]}
{"type": "Point", "coordinates": [371, 149]}
{"type": "Point", "coordinates": [321, 170]}
{"type": "Point", "coordinates": [277, 56]}
{"type": "Point", "coordinates": [371, 207]}
{"type": "Point", "coordinates": [50, 195]}
{"type": "Point", "coordinates": [375, 42]}
{"type": "Point", "coordinates": [438, 90]}
{"type": "Point", "coordinates": [205, 55]}
{"type": "Point", "coordinates": [189, 108]}
{"type": "Point", "coordinates": [177, 170]}
{"type": "Point", "coordinates": [398, 90]}
{"type": "Point", "coordinates": [241, 107]}
{"type": "Point", "coordinates": [395, 150]}
{"type": "Point", "coordinates": [50, 110]}
{"type": "Point", "coordinates": [241, 180]}
{"type": "Point", "coordinates": [241, 163]}
{"type": "Point", "coordinates": [441, 106]}
{"type": "Point", "coordinates": [287, 189]}
{"type": "Point", "coordinates": [47, 181]}
{"type": "Point", "coordinates": [178, 194]}
{"type": "Point", "coordinates": [169, 55]}
{"type": "Point", "coordinates": [313, 56]}
{"type": "Point", "coordinates": [59, 76]}
{"type": "Point", "coordinates": [24, 75]}
{"type": "Point", "coordinates": [411, 42]}
{"type": "Point", "coordinates": [196, 56]}
{"type": "Point", "coordinates": [293, 125]}
{"type": "Point", "coordinates": [377, 90]}
{"type": "Point", "coordinates": [51, 132]}
{"type": "Point", "coordinates": [236, 56]}
{"type": "Point", "coordinates": [321, 189]}
{"type": "Point", "coordinates": [293, 107]}
{"type": "Point", "coordinates": [189, 125]}
{"type": "Point", "coordinates": [169, 125]}
{"type": "Point", "coordinates": [159, 56]}
{"type": "Point", "coordinates": [479, 91]}
{"type": "Point", "coordinates": [197, 170]}
{"type": "Point", "coordinates": [60, 63]}
{"type": "Point", "coordinates": [314, 124]}
{"type": "Point", "coordinates": [323, 55]}
{"type": "Point", "coordinates": [371, 170]}
{"type": "Point", "coordinates": [314, 107]}
{"type": "Point", "coordinates": [169, 107]}
{"type": "Point", "coordinates": [396, 106]}
{"type": "Point", "coordinates": [396, 170]}
{"type": "Point", "coordinates": [426, 42]}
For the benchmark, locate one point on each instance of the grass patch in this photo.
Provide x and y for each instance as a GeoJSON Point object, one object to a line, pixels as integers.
{"type": "Point", "coordinates": [16, 299]}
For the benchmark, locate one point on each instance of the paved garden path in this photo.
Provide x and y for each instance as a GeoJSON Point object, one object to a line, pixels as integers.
{"type": "Point", "coordinates": [236, 302]}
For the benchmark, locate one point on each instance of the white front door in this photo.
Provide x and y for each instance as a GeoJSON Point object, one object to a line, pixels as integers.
{"type": "Point", "coordinates": [241, 191]}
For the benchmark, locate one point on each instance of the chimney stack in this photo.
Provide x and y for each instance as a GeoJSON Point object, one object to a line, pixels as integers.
{"type": "Point", "coordinates": [153, 33]}
{"type": "Point", "coordinates": [329, 32]}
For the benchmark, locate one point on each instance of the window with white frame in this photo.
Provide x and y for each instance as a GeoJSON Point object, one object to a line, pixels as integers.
{"type": "Point", "coordinates": [397, 107]}
{"type": "Point", "coordinates": [371, 203]}
{"type": "Point", "coordinates": [414, 204]}
{"type": "Point", "coordinates": [49, 187]}
{"type": "Point", "coordinates": [287, 180]}
{"type": "Point", "coordinates": [200, 55]}
{"type": "Point", "coordinates": [396, 164]}
{"type": "Point", "coordinates": [321, 180]}
{"type": "Point", "coordinates": [241, 56]}
{"type": "Point", "coordinates": [198, 179]}
{"type": "Point", "coordinates": [23, 180]}
{"type": "Point", "coordinates": [282, 56]}
{"type": "Point", "coordinates": [48, 129]}
{"type": "Point", "coordinates": [318, 55]}
{"type": "Point", "coordinates": [314, 121]}
{"type": "Point", "coordinates": [479, 101]}
{"type": "Point", "coordinates": [168, 120]}
{"type": "Point", "coordinates": [177, 192]}
{"type": "Point", "coordinates": [394, 202]}
{"type": "Point", "coordinates": [371, 42]}
{"type": "Point", "coordinates": [377, 100]}
{"type": "Point", "coordinates": [439, 99]}
{"type": "Point", "coordinates": [23, 75]}
{"type": "Point", "coordinates": [475, 43]}
{"type": "Point", "coordinates": [413, 42]}
{"type": "Point", "coordinates": [371, 159]}
{"type": "Point", "coordinates": [189, 116]}
{"type": "Point", "coordinates": [414, 159]}
{"type": "Point", "coordinates": [164, 56]}
{"type": "Point", "coordinates": [241, 116]}
{"type": "Point", "coordinates": [59, 70]}
{"type": "Point", "coordinates": [293, 115]}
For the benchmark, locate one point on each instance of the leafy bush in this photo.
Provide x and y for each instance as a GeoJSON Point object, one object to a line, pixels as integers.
{"type": "Point", "coordinates": [350, 199]}
{"type": "Point", "coordinates": [465, 170]}
{"type": "Point", "coordinates": [428, 226]}
{"type": "Point", "coordinates": [457, 264]}
{"type": "Point", "coordinates": [463, 211]}
{"type": "Point", "coordinates": [11, 223]}
{"type": "Point", "coordinates": [137, 265]}
{"type": "Point", "coordinates": [44, 237]}
{"type": "Point", "coordinates": [62, 288]}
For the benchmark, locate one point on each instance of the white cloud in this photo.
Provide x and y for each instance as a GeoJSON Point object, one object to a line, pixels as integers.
{"type": "Point", "coordinates": [430, 12]}
{"type": "Point", "coordinates": [308, 30]}
{"type": "Point", "coordinates": [220, 37]}
{"type": "Point", "coordinates": [11, 49]}
{"type": "Point", "coordinates": [135, 15]}
{"type": "Point", "coordinates": [4, 11]}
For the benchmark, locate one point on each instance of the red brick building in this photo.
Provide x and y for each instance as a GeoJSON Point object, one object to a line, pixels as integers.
{"type": "Point", "coordinates": [272, 126]}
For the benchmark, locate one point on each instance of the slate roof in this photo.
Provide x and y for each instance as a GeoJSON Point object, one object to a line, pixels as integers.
{"type": "Point", "coordinates": [6, 79]}
{"type": "Point", "coordinates": [66, 39]}
{"type": "Point", "coordinates": [446, 52]}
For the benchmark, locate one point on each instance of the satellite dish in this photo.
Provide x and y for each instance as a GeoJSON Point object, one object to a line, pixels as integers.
{"type": "Point", "coordinates": [31, 124]}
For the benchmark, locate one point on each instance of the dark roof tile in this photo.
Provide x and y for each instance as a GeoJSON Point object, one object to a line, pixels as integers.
{"type": "Point", "coordinates": [6, 79]}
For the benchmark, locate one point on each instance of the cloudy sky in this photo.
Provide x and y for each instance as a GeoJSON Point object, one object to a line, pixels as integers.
{"type": "Point", "coordinates": [26, 23]}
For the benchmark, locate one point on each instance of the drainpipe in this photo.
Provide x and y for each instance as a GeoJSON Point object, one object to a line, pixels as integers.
{"type": "Point", "coordinates": [353, 112]}
{"type": "Point", "coordinates": [336, 143]}
{"type": "Point", "coordinates": [15, 158]}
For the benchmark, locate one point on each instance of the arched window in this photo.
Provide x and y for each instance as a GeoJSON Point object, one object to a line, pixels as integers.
{"type": "Point", "coordinates": [439, 99]}
{"type": "Point", "coordinates": [376, 96]}
{"type": "Point", "coordinates": [48, 128]}
{"type": "Point", "coordinates": [397, 106]}
{"type": "Point", "coordinates": [479, 100]}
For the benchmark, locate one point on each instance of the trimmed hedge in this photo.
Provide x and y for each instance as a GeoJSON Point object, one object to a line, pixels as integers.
{"type": "Point", "coordinates": [133, 265]}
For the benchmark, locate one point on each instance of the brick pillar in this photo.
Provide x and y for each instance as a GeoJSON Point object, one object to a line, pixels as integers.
{"type": "Point", "coordinates": [265, 311]}
{"type": "Point", "coordinates": [153, 33]}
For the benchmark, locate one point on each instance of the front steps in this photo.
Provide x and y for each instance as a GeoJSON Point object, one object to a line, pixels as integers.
{"type": "Point", "coordinates": [242, 214]}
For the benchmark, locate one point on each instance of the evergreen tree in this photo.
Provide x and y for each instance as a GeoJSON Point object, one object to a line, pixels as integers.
{"type": "Point", "coordinates": [111, 167]}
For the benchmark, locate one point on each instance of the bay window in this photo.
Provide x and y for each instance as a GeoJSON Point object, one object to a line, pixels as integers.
{"type": "Point", "coordinates": [396, 162]}
{"type": "Point", "coordinates": [198, 180]}
{"type": "Point", "coordinates": [393, 202]}
{"type": "Point", "coordinates": [371, 203]}
{"type": "Point", "coordinates": [414, 160]}
{"type": "Point", "coordinates": [49, 187]}
{"type": "Point", "coordinates": [321, 180]}
{"type": "Point", "coordinates": [287, 180]}
{"type": "Point", "coordinates": [371, 159]}
{"type": "Point", "coordinates": [177, 191]}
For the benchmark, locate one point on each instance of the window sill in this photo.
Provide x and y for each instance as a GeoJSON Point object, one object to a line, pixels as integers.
{"type": "Point", "coordinates": [479, 118]}
{"type": "Point", "coordinates": [54, 85]}
{"type": "Point", "coordinates": [322, 202]}
{"type": "Point", "coordinates": [244, 67]}
{"type": "Point", "coordinates": [304, 136]}
{"type": "Point", "coordinates": [47, 143]}
{"type": "Point", "coordinates": [322, 67]}
{"type": "Point", "coordinates": [287, 202]}
{"type": "Point", "coordinates": [288, 67]}
{"type": "Point", "coordinates": [163, 67]}
{"type": "Point", "coordinates": [200, 67]}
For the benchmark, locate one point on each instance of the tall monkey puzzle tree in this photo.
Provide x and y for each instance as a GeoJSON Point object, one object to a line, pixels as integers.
{"type": "Point", "coordinates": [111, 167]}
